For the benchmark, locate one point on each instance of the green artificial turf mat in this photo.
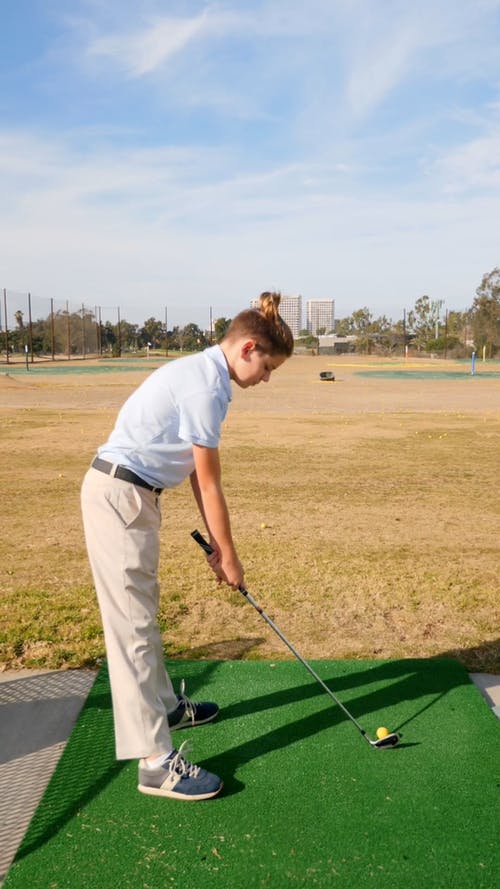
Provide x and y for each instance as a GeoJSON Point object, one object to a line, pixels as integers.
{"type": "Point", "coordinates": [307, 801]}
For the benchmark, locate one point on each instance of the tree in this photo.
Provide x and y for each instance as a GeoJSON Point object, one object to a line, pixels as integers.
{"type": "Point", "coordinates": [151, 332]}
{"type": "Point", "coordinates": [108, 336]}
{"type": "Point", "coordinates": [129, 334]}
{"type": "Point", "coordinates": [174, 339]}
{"type": "Point", "coordinates": [421, 322]}
{"type": "Point", "coordinates": [193, 339]}
{"type": "Point", "coordinates": [344, 326]}
{"type": "Point", "coordinates": [308, 340]}
{"type": "Point", "coordinates": [453, 339]}
{"type": "Point", "coordinates": [383, 334]}
{"type": "Point", "coordinates": [361, 326]}
{"type": "Point", "coordinates": [220, 328]}
{"type": "Point", "coordinates": [17, 337]}
{"type": "Point", "coordinates": [485, 314]}
{"type": "Point", "coordinates": [455, 324]}
{"type": "Point", "coordinates": [442, 344]}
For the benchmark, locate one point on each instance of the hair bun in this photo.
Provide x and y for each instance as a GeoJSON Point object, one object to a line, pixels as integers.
{"type": "Point", "coordinates": [264, 325]}
{"type": "Point", "coordinates": [269, 304]}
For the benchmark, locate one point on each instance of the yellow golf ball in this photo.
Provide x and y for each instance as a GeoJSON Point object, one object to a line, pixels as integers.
{"type": "Point", "coordinates": [382, 732]}
{"type": "Point", "coordinates": [263, 525]}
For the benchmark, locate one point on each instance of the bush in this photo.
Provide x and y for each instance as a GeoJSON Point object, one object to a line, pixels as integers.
{"type": "Point", "coordinates": [442, 343]}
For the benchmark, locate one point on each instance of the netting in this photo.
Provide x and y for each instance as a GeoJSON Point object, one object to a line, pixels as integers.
{"type": "Point", "coordinates": [44, 327]}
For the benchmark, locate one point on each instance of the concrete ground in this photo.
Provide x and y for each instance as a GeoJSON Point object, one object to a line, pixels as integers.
{"type": "Point", "coordinates": [38, 711]}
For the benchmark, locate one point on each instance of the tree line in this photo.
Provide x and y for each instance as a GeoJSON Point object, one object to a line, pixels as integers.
{"type": "Point", "coordinates": [74, 334]}
{"type": "Point", "coordinates": [426, 327]}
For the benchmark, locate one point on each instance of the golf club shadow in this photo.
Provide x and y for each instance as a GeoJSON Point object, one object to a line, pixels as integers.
{"type": "Point", "coordinates": [230, 760]}
{"type": "Point", "coordinates": [420, 711]}
{"type": "Point", "coordinates": [410, 679]}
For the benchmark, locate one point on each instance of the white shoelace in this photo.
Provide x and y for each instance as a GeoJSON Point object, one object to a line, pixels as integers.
{"type": "Point", "coordinates": [190, 708]}
{"type": "Point", "coordinates": [182, 766]}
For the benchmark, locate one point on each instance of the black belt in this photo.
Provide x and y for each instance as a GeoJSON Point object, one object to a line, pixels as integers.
{"type": "Point", "coordinates": [121, 472]}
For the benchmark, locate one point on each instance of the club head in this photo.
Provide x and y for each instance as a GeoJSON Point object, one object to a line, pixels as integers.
{"type": "Point", "coordinates": [390, 740]}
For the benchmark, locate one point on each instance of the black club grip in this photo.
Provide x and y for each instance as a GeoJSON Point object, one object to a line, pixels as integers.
{"type": "Point", "coordinates": [196, 535]}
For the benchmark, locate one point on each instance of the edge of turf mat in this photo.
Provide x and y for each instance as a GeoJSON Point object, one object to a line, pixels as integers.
{"type": "Point", "coordinates": [306, 802]}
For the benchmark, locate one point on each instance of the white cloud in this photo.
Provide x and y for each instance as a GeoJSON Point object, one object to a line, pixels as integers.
{"type": "Point", "coordinates": [142, 51]}
{"type": "Point", "coordinates": [379, 53]}
{"type": "Point", "coordinates": [392, 43]}
{"type": "Point", "coordinates": [473, 166]}
{"type": "Point", "coordinates": [286, 169]}
{"type": "Point", "coordinates": [146, 227]}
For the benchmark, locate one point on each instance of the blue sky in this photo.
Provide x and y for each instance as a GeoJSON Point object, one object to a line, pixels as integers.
{"type": "Point", "coordinates": [191, 154]}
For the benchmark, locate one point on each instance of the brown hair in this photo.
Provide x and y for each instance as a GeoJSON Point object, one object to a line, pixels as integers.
{"type": "Point", "coordinates": [264, 325]}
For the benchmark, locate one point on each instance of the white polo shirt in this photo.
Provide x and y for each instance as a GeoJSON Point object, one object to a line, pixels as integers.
{"type": "Point", "coordinates": [180, 404]}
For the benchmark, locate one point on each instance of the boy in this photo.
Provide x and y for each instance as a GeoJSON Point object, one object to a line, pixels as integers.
{"type": "Point", "coordinates": [167, 430]}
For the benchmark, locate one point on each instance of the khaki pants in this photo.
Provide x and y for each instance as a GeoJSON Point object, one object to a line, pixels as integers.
{"type": "Point", "coordinates": [122, 524]}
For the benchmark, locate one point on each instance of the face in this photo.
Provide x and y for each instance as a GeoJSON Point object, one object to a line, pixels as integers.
{"type": "Point", "coordinates": [255, 366]}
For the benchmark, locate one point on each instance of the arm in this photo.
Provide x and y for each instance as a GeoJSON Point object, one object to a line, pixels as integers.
{"type": "Point", "coordinates": [207, 489]}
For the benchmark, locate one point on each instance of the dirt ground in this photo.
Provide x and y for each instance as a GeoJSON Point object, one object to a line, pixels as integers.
{"type": "Point", "coordinates": [296, 390]}
{"type": "Point", "coordinates": [365, 511]}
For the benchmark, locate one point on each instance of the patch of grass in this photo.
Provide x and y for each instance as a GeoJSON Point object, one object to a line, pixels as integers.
{"type": "Point", "coordinates": [52, 629]}
{"type": "Point", "coordinates": [380, 537]}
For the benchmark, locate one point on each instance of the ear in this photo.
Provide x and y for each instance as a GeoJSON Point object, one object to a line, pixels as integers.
{"type": "Point", "coordinates": [247, 347]}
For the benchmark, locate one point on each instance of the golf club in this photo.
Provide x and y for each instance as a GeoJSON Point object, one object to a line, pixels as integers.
{"type": "Point", "coordinates": [390, 740]}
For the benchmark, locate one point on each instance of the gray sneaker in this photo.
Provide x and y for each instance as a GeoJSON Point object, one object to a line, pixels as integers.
{"type": "Point", "coordinates": [178, 779]}
{"type": "Point", "coordinates": [190, 713]}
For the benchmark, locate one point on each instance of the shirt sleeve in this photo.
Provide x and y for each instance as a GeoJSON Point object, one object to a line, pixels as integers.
{"type": "Point", "coordinates": [200, 419]}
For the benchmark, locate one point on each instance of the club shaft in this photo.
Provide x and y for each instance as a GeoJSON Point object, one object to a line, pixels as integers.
{"type": "Point", "coordinates": [244, 592]}
{"type": "Point", "coordinates": [299, 657]}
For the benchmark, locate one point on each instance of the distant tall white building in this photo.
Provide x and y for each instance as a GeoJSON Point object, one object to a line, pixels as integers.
{"type": "Point", "coordinates": [290, 311]}
{"type": "Point", "coordinates": [320, 315]}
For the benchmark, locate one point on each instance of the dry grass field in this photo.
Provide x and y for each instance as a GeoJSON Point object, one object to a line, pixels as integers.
{"type": "Point", "coordinates": [379, 496]}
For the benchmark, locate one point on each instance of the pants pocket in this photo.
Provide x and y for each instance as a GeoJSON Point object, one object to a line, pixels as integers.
{"type": "Point", "coordinates": [126, 502]}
